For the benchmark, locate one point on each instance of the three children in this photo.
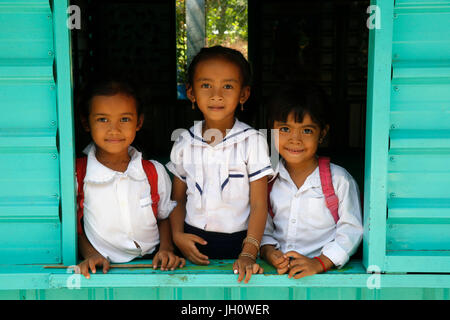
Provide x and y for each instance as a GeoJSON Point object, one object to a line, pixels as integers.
{"type": "Point", "coordinates": [221, 167]}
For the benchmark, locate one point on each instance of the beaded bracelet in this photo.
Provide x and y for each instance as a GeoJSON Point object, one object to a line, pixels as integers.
{"type": "Point", "coordinates": [252, 241]}
{"type": "Point", "coordinates": [246, 254]}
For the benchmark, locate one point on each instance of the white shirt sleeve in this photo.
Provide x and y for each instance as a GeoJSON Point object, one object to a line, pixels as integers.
{"type": "Point", "coordinates": [175, 165]}
{"type": "Point", "coordinates": [268, 233]}
{"type": "Point", "coordinates": [165, 205]}
{"type": "Point", "coordinates": [349, 228]}
{"type": "Point", "coordinates": [258, 161]}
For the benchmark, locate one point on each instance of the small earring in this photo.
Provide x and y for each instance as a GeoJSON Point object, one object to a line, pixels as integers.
{"type": "Point", "coordinates": [320, 140]}
{"type": "Point", "coordinates": [193, 105]}
{"type": "Point", "coordinates": [242, 107]}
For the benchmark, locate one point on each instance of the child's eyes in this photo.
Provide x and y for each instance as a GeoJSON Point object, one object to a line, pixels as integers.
{"type": "Point", "coordinates": [308, 131]}
{"type": "Point", "coordinates": [228, 86]}
{"type": "Point", "coordinates": [284, 129]}
{"type": "Point", "coordinates": [125, 119]}
{"type": "Point", "coordinates": [102, 120]}
{"type": "Point", "coordinates": [205, 85]}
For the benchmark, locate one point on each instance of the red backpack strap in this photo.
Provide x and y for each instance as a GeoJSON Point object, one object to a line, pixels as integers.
{"type": "Point", "coordinates": [152, 176]}
{"type": "Point", "coordinates": [269, 189]}
{"type": "Point", "coordinates": [81, 164]}
{"type": "Point", "coordinates": [331, 199]}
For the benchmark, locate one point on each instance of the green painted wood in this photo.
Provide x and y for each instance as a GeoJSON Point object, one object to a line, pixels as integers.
{"type": "Point", "coordinates": [420, 30]}
{"type": "Point", "coordinates": [216, 282]}
{"type": "Point", "coordinates": [377, 128]}
{"type": "Point", "coordinates": [66, 130]}
{"type": "Point", "coordinates": [30, 227]}
{"type": "Point", "coordinates": [26, 30]}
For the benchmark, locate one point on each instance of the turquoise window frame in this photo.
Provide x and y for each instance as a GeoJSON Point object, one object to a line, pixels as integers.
{"type": "Point", "coordinates": [64, 96]}
{"type": "Point", "coordinates": [386, 186]}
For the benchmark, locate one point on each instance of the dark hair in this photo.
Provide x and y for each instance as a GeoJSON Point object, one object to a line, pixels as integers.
{"type": "Point", "coordinates": [301, 99]}
{"type": "Point", "coordinates": [219, 52]}
{"type": "Point", "coordinates": [107, 87]}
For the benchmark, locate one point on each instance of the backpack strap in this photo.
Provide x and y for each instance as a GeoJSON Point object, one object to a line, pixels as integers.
{"type": "Point", "coordinates": [331, 199]}
{"type": "Point", "coordinates": [152, 176]}
{"type": "Point", "coordinates": [150, 171]}
{"type": "Point", "coordinates": [81, 164]}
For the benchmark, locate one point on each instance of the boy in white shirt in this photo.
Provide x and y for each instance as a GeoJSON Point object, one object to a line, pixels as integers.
{"type": "Point", "coordinates": [308, 231]}
{"type": "Point", "coordinates": [123, 201]}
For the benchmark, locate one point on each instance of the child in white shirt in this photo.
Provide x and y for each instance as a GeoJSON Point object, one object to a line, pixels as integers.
{"type": "Point", "coordinates": [303, 238]}
{"type": "Point", "coordinates": [117, 220]}
{"type": "Point", "coordinates": [220, 168]}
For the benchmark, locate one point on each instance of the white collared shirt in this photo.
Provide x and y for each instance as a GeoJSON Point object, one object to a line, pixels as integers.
{"type": "Point", "coordinates": [303, 223]}
{"type": "Point", "coordinates": [218, 177]}
{"type": "Point", "coordinates": [117, 207]}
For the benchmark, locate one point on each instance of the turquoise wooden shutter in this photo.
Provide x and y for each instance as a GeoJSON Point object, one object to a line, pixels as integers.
{"type": "Point", "coordinates": [36, 134]}
{"type": "Point", "coordinates": [407, 204]}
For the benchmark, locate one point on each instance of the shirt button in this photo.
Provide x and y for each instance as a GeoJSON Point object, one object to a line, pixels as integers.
{"type": "Point", "coordinates": [290, 246]}
{"type": "Point", "coordinates": [293, 221]}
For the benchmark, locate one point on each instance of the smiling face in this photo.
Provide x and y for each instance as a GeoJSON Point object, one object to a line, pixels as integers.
{"type": "Point", "coordinates": [298, 141]}
{"type": "Point", "coordinates": [113, 122]}
{"type": "Point", "coordinates": [217, 89]}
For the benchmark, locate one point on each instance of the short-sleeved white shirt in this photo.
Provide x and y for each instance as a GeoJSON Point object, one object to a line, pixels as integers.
{"type": "Point", "coordinates": [218, 177]}
{"type": "Point", "coordinates": [118, 207]}
{"type": "Point", "coordinates": [303, 223]}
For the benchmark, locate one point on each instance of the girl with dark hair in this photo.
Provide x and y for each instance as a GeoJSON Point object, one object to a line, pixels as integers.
{"type": "Point", "coordinates": [315, 214]}
{"type": "Point", "coordinates": [123, 201]}
{"type": "Point", "coordinates": [220, 168]}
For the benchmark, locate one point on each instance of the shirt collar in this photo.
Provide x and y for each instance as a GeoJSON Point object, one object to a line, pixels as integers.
{"type": "Point", "coordinates": [98, 173]}
{"type": "Point", "coordinates": [239, 131]}
{"type": "Point", "coordinates": [312, 181]}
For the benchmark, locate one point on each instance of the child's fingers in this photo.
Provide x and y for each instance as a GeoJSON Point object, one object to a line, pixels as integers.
{"type": "Point", "coordinates": [84, 270]}
{"type": "Point", "coordinates": [182, 263]}
{"type": "Point", "coordinates": [164, 261]}
{"type": "Point", "coordinates": [106, 266]}
{"type": "Point", "coordinates": [92, 265]}
{"type": "Point", "coordinates": [279, 258]}
{"type": "Point", "coordinates": [281, 265]}
{"type": "Point", "coordinates": [173, 261]}
{"type": "Point", "coordinates": [295, 270]}
{"type": "Point", "coordinates": [282, 270]}
{"type": "Point", "coordinates": [197, 256]}
{"type": "Point", "coordinates": [198, 239]}
{"type": "Point", "coordinates": [155, 260]}
{"type": "Point", "coordinates": [257, 269]}
{"type": "Point", "coordinates": [248, 273]}
{"type": "Point", "coordinates": [293, 254]}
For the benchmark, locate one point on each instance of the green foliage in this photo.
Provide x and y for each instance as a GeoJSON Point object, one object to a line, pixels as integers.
{"type": "Point", "coordinates": [226, 24]}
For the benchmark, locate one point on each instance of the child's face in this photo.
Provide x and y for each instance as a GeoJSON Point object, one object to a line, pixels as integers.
{"type": "Point", "coordinates": [217, 89]}
{"type": "Point", "coordinates": [113, 122]}
{"type": "Point", "coordinates": [298, 141]}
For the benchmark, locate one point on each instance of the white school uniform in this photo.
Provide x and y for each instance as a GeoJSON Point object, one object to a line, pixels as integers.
{"type": "Point", "coordinates": [117, 207]}
{"type": "Point", "coordinates": [218, 177]}
{"type": "Point", "coordinates": [303, 223]}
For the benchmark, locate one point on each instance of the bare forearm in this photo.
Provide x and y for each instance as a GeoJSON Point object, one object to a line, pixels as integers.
{"type": "Point", "coordinates": [258, 214]}
{"type": "Point", "coordinates": [177, 218]}
{"type": "Point", "coordinates": [179, 213]}
{"type": "Point", "coordinates": [85, 247]}
{"type": "Point", "coordinates": [165, 235]}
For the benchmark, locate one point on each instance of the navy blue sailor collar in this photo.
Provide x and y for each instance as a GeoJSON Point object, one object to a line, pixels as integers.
{"type": "Point", "coordinates": [240, 131]}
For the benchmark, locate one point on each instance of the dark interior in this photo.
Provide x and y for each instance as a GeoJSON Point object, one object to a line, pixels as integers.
{"type": "Point", "coordinates": [325, 42]}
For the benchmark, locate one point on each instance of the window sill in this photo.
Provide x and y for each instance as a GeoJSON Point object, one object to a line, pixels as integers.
{"type": "Point", "coordinates": [217, 275]}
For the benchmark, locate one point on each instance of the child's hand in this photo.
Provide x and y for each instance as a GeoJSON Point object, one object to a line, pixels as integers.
{"type": "Point", "coordinates": [168, 260]}
{"type": "Point", "coordinates": [91, 262]}
{"type": "Point", "coordinates": [246, 266]}
{"type": "Point", "coordinates": [301, 266]}
{"type": "Point", "coordinates": [279, 261]}
{"type": "Point", "coordinates": [186, 243]}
